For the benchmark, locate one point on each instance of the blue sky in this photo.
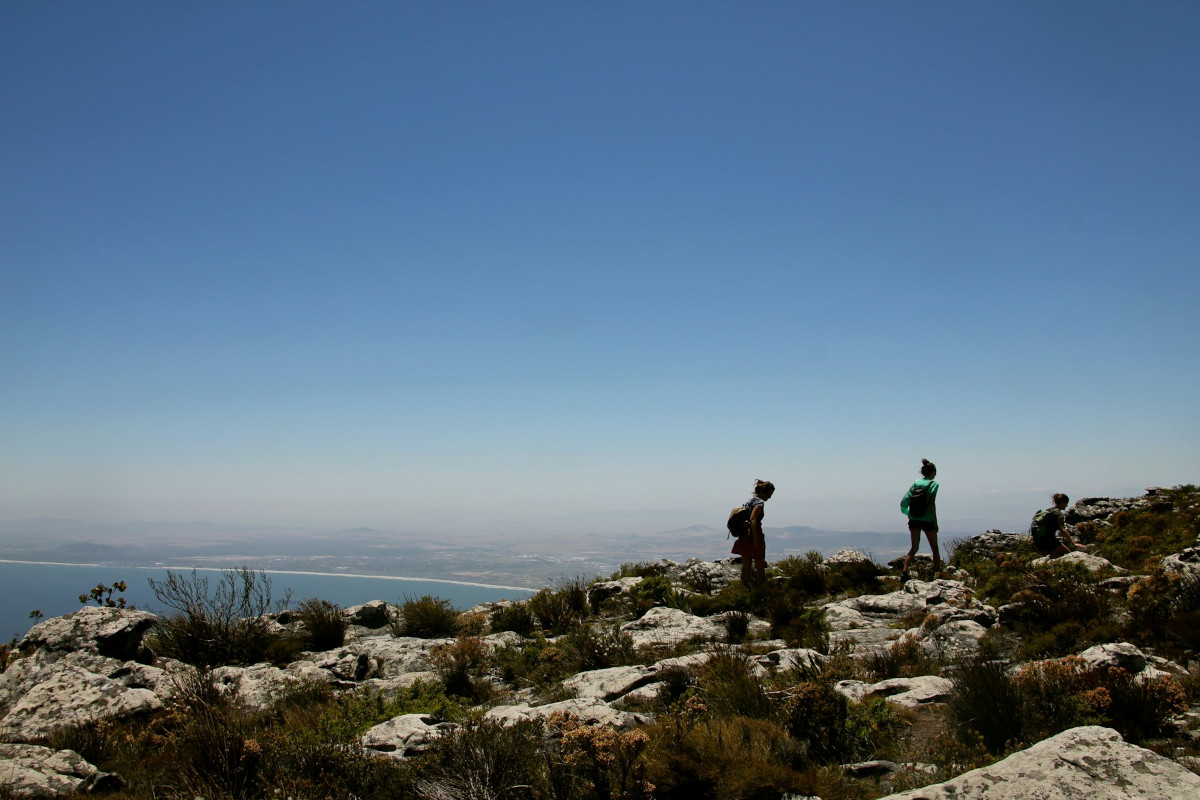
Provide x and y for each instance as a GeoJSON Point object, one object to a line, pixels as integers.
{"type": "Point", "coordinates": [462, 266]}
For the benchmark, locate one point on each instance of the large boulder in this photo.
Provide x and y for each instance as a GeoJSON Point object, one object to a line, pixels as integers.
{"type": "Point", "coordinates": [609, 684]}
{"type": "Point", "coordinates": [1088, 763]}
{"type": "Point", "coordinates": [69, 697]}
{"type": "Point", "coordinates": [403, 736]}
{"type": "Point", "coordinates": [589, 711]}
{"type": "Point", "coordinates": [904, 692]}
{"type": "Point", "coordinates": [111, 632]}
{"type": "Point", "coordinates": [663, 625]}
{"type": "Point", "coordinates": [28, 770]}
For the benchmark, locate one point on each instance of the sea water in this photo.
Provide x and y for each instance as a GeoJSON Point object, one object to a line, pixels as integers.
{"type": "Point", "coordinates": [54, 589]}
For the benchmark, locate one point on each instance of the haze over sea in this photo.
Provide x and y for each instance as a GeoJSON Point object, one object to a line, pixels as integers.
{"type": "Point", "coordinates": [54, 589]}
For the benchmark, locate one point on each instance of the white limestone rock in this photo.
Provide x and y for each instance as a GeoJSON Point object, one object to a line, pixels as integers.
{"type": "Point", "coordinates": [1116, 654]}
{"type": "Point", "coordinates": [404, 736]}
{"type": "Point", "coordinates": [794, 658]}
{"type": "Point", "coordinates": [663, 625]}
{"type": "Point", "coordinates": [1094, 564]}
{"type": "Point", "coordinates": [1088, 763]}
{"type": "Point", "coordinates": [904, 692]}
{"type": "Point", "coordinates": [608, 684]}
{"type": "Point", "coordinates": [258, 687]}
{"type": "Point", "coordinates": [28, 770]}
{"type": "Point", "coordinates": [590, 711]}
{"type": "Point", "coordinates": [111, 632]}
{"type": "Point", "coordinates": [848, 555]}
{"type": "Point", "coordinates": [68, 697]}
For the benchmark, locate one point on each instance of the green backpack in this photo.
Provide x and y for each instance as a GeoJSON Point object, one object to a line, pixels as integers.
{"type": "Point", "coordinates": [1043, 526]}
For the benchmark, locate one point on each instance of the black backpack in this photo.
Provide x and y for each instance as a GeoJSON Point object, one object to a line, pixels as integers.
{"type": "Point", "coordinates": [918, 500]}
{"type": "Point", "coordinates": [739, 521]}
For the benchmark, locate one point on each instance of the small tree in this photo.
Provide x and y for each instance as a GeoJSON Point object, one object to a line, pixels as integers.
{"type": "Point", "coordinates": [210, 628]}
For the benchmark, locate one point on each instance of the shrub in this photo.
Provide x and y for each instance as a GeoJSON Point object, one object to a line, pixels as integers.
{"type": "Point", "coordinates": [693, 754]}
{"type": "Point", "coordinates": [224, 626]}
{"type": "Point", "coordinates": [426, 617]}
{"type": "Point", "coordinates": [985, 704]}
{"type": "Point", "coordinates": [854, 577]}
{"type": "Point", "coordinates": [462, 667]}
{"type": "Point", "coordinates": [904, 658]}
{"type": "Point", "coordinates": [594, 761]}
{"type": "Point", "coordinates": [814, 714]}
{"type": "Point", "coordinates": [324, 623]}
{"type": "Point", "coordinates": [805, 575]}
{"type": "Point", "coordinates": [1061, 609]}
{"type": "Point", "coordinates": [737, 625]}
{"type": "Point", "coordinates": [729, 684]}
{"type": "Point", "coordinates": [557, 610]}
{"type": "Point", "coordinates": [797, 622]}
{"type": "Point", "coordinates": [1138, 537]}
{"type": "Point", "coordinates": [599, 648]}
{"type": "Point", "coordinates": [486, 760]}
{"type": "Point", "coordinates": [1164, 611]}
{"type": "Point", "coordinates": [516, 617]}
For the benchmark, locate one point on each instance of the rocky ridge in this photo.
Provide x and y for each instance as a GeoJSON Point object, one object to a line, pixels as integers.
{"type": "Point", "coordinates": [93, 666]}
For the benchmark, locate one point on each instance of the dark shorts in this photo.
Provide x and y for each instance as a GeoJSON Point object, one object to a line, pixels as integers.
{"type": "Point", "coordinates": [918, 525]}
{"type": "Point", "coordinates": [1045, 546]}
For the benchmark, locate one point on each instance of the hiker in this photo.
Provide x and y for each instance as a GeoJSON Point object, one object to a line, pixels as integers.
{"type": "Point", "coordinates": [753, 546]}
{"type": "Point", "coordinates": [1048, 522]}
{"type": "Point", "coordinates": [919, 503]}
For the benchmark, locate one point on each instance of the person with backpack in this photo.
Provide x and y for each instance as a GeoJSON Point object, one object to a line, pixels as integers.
{"type": "Point", "coordinates": [1049, 522]}
{"type": "Point", "coordinates": [919, 503]}
{"type": "Point", "coordinates": [745, 522]}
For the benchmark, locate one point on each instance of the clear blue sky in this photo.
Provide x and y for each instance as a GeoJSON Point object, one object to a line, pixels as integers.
{"type": "Point", "coordinates": [459, 265]}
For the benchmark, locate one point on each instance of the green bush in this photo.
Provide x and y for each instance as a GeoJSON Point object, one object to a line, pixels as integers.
{"type": "Point", "coordinates": [426, 617]}
{"type": "Point", "coordinates": [485, 759]}
{"type": "Point", "coordinates": [730, 685]}
{"type": "Point", "coordinates": [814, 714]}
{"type": "Point", "coordinates": [558, 610]}
{"type": "Point", "coordinates": [1061, 609]}
{"type": "Point", "coordinates": [1138, 538]}
{"type": "Point", "coordinates": [462, 666]}
{"type": "Point", "coordinates": [985, 704]}
{"type": "Point", "coordinates": [516, 617]}
{"type": "Point", "coordinates": [593, 647]}
{"type": "Point", "coordinates": [805, 575]}
{"type": "Point", "coordinates": [1164, 612]}
{"type": "Point", "coordinates": [795, 621]}
{"type": "Point", "coordinates": [224, 625]}
{"type": "Point", "coordinates": [854, 578]}
{"type": "Point", "coordinates": [324, 623]}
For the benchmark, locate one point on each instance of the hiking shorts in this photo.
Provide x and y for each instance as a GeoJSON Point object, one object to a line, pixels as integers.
{"type": "Point", "coordinates": [918, 525]}
{"type": "Point", "coordinates": [1046, 546]}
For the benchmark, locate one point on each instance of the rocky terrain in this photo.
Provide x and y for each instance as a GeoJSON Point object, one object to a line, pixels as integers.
{"type": "Point", "coordinates": [837, 678]}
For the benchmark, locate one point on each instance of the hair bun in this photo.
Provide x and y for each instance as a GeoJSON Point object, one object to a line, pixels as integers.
{"type": "Point", "coordinates": [926, 461]}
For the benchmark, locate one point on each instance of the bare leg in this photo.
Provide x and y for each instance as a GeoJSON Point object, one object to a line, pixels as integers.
{"type": "Point", "coordinates": [914, 533]}
{"type": "Point", "coordinates": [933, 545]}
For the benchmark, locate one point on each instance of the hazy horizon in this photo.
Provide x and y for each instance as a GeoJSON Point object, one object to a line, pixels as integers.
{"type": "Point", "coordinates": [487, 266]}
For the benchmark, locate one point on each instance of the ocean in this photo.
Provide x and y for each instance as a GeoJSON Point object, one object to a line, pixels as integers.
{"type": "Point", "coordinates": [54, 589]}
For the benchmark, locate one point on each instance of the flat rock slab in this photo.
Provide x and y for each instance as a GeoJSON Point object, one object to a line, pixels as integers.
{"type": "Point", "coordinates": [403, 736]}
{"type": "Point", "coordinates": [28, 770]}
{"type": "Point", "coordinates": [1088, 763]}
{"type": "Point", "coordinates": [590, 711]}
{"type": "Point", "coordinates": [664, 625]}
{"type": "Point", "coordinates": [903, 692]}
{"type": "Point", "coordinates": [609, 684]}
{"type": "Point", "coordinates": [71, 697]}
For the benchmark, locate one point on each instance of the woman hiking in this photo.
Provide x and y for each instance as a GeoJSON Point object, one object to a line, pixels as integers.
{"type": "Point", "coordinates": [1049, 522]}
{"type": "Point", "coordinates": [753, 546]}
{"type": "Point", "coordinates": [919, 503]}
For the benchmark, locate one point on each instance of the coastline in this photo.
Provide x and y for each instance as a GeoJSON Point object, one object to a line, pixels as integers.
{"type": "Point", "coordinates": [277, 572]}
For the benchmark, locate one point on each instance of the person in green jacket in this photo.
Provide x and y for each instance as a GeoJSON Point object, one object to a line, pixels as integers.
{"type": "Point", "coordinates": [920, 504]}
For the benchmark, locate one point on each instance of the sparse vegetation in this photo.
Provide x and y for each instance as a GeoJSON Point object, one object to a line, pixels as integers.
{"type": "Point", "coordinates": [728, 723]}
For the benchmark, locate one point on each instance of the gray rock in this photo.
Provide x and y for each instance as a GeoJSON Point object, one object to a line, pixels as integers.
{"type": "Point", "coordinates": [608, 684]}
{"type": "Point", "coordinates": [954, 639]}
{"type": "Point", "coordinates": [372, 615]}
{"type": "Point", "coordinates": [31, 771]}
{"type": "Point", "coordinates": [1119, 654]}
{"type": "Point", "coordinates": [603, 590]}
{"type": "Point", "coordinates": [709, 576]}
{"type": "Point", "coordinates": [904, 692]}
{"type": "Point", "coordinates": [848, 555]}
{"type": "Point", "coordinates": [798, 658]}
{"type": "Point", "coordinates": [1093, 563]}
{"type": "Point", "coordinates": [111, 632]}
{"type": "Point", "coordinates": [986, 545]}
{"type": "Point", "coordinates": [1088, 763]}
{"type": "Point", "coordinates": [663, 625]}
{"type": "Point", "coordinates": [404, 736]}
{"type": "Point", "coordinates": [68, 697]}
{"type": "Point", "coordinates": [590, 711]}
{"type": "Point", "coordinates": [258, 687]}
{"type": "Point", "coordinates": [1185, 563]}
{"type": "Point", "coordinates": [871, 769]}
{"type": "Point", "coordinates": [1100, 508]}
